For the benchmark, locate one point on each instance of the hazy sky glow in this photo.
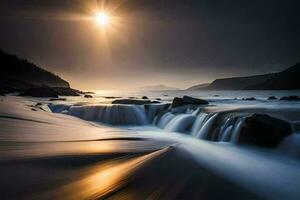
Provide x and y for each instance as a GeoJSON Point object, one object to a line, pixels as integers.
{"type": "Point", "coordinates": [172, 42]}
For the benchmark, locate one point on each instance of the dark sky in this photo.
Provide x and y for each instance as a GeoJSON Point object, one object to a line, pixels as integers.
{"type": "Point", "coordinates": [173, 42]}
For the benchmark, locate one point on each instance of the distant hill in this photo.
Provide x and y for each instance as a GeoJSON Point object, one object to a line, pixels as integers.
{"type": "Point", "coordinates": [199, 87]}
{"type": "Point", "coordinates": [237, 83]}
{"type": "Point", "coordinates": [288, 79]}
{"type": "Point", "coordinates": [18, 74]}
{"type": "Point", "coordinates": [157, 87]}
{"type": "Point", "coordinates": [284, 80]}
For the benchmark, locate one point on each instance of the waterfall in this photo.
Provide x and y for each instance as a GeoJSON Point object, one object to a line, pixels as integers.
{"type": "Point", "coordinates": [207, 126]}
{"type": "Point", "coordinates": [180, 123]}
{"type": "Point", "coordinates": [291, 145]}
{"type": "Point", "coordinates": [165, 119]}
{"type": "Point", "coordinates": [109, 114]}
{"type": "Point", "coordinates": [236, 129]}
{"type": "Point", "coordinates": [58, 108]}
{"type": "Point", "coordinates": [185, 119]}
{"type": "Point", "coordinates": [214, 126]}
{"type": "Point", "coordinates": [198, 123]}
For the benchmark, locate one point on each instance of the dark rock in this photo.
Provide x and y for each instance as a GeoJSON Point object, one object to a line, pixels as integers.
{"type": "Point", "coordinates": [155, 102]}
{"type": "Point", "coordinates": [272, 98]}
{"type": "Point", "coordinates": [192, 100]}
{"type": "Point", "coordinates": [186, 100]}
{"type": "Point", "coordinates": [159, 99]}
{"type": "Point", "coordinates": [82, 92]}
{"type": "Point", "coordinates": [112, 97]}
{"type": "Point", "coordinates": [178, 102]}
{"type": "Point", "coordinates": [133, 101]}
{"type": "Point", "coordinates": [38, 104]}
{"type": "Point", "coordinates": [144, 97]}
{"type": "Point", "coordinates": [33, 109]}
{"type": "Point", "coordinates": [249, 99]}
{"type": "Point", "coordinates": [264, 131]}
{"type": "Point", "coordinates": [40, 92]}
{"type": "Point", "coordinates": [290, 98]}
{"type": "Point", "coordinates": [61, 91]}
{"type": "Point", "coordinates": [58, 99]}
{"type": "Point", "coordinates": [45, 91]}
{"type": "Point", "coordinates": [88, 96]}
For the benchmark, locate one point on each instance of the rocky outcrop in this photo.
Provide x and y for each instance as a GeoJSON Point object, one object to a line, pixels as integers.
{"type": "Point", "coordinates": [272, 98]}
{"type": "Point", "coordinates": [45, 91]}
{"type": "Point", "coordinates": [290, 98]}
{"type": "Point", "coordinates": [264, 131]}
{"type": "Point", "coordinates": [18, 75]}
{"type": "Point", "coordinates": [88, 96]}
{"type": "Point", "coordinates": [40, 92]}
{"type": "Point", "coordinates": [187, 100]}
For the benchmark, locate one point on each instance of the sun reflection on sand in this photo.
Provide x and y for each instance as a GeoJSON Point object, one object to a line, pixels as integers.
{"type": "Point", "coordinates": [102, 179]}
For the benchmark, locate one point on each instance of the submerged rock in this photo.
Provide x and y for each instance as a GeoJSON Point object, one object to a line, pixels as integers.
{"type": "Point", "coordinates": [133, 101]}
{"type": "Point", "coordinates": [272, 98]}
{"type": "Point", "coordinates": [249, 99]}
{"type": "Point", "coordinates": [264, 131]}
{"type": "Point", "coordinates": [88, 96]}
{"type": "Point", "coordinates": [290, 98]}
{"type": "Point", "coordinates": [186, 100]}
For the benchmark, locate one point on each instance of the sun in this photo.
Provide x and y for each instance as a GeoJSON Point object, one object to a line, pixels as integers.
{"type": "Point", "coordinates": [102, 18]}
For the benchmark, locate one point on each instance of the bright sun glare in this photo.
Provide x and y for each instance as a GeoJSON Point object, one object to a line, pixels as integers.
{"type": "Point", "coordinates": [102, 18]}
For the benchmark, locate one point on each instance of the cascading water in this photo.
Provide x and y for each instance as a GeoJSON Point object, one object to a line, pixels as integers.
{"type": "Point", "coordinates": [189, 120]}
{"type": "Point", "coordinates": [198, 123]}
{"type": "Point", "coordinates": [180, 123]}
{"type": "Point", "coordinates": [207, 126]}
{"type": "Point", "coordinates": [109, 114]}
{"type": "Point", "coordinates": [215, 126]}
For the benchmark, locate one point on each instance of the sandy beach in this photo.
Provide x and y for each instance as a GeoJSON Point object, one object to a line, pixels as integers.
{"type": "Point", "coordinates": [54, 156]}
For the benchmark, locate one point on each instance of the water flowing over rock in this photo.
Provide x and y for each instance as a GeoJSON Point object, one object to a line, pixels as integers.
{"type": "Point", "coordinates": [291, 145]}
{"type": "Point", "coordinates": [109, 114]}
{"type": "Point", "coordinates": [234, 126]}
{"type": "Point", "coordinates": [181, 123]}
